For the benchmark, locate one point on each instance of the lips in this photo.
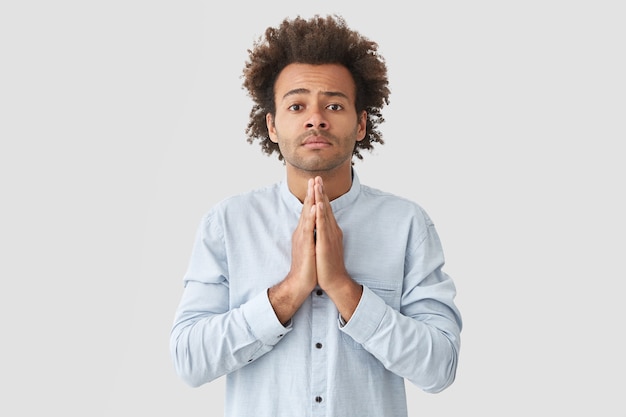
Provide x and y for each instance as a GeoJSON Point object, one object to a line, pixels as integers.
{"type": "Point", "coordinates": [316, 141]}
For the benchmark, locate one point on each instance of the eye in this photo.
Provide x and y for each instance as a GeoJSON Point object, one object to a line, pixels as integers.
{"type": "Point", "coordinates": [334, 107]}
{"type": "Point", "coordinates": [295, 107]}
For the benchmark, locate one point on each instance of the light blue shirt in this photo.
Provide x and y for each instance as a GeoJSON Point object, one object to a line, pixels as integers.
{"type": "Point", "coordinates": [406, 325]}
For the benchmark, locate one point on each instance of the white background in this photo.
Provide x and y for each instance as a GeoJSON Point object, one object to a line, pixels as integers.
{"type": "Point", "coordinates": [122, 122]}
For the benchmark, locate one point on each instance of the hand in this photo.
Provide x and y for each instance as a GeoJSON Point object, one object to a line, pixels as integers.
{"type": "Point", "coordinates": [303, 269]}
{"type": "Point", "coordinates": [331, 270]}
{"type": "Point", "coordinates": [316, 261]}
{"type": "Point", "coordinates": [332, 275]}
{"type": "Point", "coordinates": [287, 296]}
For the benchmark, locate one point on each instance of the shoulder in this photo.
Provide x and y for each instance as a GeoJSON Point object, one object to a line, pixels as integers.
{"type": "Point", "coordinates": [399, 205]}
{"type": "Point", "coordinates": [261, 194]}
{"type": "Point", "coordinates": [258, 198]}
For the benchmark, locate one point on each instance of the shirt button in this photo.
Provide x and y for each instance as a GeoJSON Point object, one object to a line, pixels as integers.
{"type": "Point", "coordinates": [319, 292]}
{"type": "Point", "coordinates": [318, 399]}
{"type": "Point", "coordinates": [318, 345]}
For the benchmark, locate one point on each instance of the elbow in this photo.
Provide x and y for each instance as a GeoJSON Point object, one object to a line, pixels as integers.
{"type": "Point", "coordinates": [184, 365]}
{"type": "Point", "coordinates": [438, 368]}
{"type": "Point", "coordinates": [443, 376]}
{"type": "Point", "coordinates": [189, 379]}
{"type": "Point", "coordinates": [183, 369]}
{"type": "Point", "coordinates": [186, 374]}
{"type": "Point", "coordinates": [443, 380]}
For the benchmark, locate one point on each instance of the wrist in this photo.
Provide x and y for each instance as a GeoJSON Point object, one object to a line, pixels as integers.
{"type": "Point", "coordinates": [340, 284]}
{"type": "Point", "coordinates": [346, 295]}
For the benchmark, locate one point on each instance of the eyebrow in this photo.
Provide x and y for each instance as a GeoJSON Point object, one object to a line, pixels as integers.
{"type": "Point", "coordinates": [307, 91]}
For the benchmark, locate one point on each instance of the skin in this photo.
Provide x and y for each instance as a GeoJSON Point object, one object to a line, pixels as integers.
{"type": "Point", "coordinates": [316, 127]}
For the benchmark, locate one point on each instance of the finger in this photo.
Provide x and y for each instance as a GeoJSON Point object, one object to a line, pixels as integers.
{"type": "Point", "coordinates": [308, 203]}
{"type": "Point", "coordinates": [309, 199]}
{"type": "Point", "coordinates": [320, 202]}
{"type": "Point", "coordinates": [325, 212]}
{"type": "Point", "coordinates": [320, 193]}
{"type": "Point", "coordinates": [324, 219]}
{"type": "Point", "coordinates": [307, 218]}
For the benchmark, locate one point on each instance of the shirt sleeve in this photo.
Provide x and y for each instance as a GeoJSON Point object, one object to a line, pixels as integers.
{"type": "Point", "coordinates": [208, 338]}
{"type": "Point", "coordinates": [421, 340]}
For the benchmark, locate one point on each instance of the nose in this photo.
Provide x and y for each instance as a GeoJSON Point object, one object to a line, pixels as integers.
{"type": "Point", "coordinates": [316, 120]}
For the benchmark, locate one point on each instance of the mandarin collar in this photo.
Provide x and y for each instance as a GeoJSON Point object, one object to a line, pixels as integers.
{"type": "Point", "coordinates": [337, 204]}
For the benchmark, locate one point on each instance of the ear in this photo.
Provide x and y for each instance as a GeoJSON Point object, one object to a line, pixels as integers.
{"type": "Point", "coordinates": [361, 126]}
{"type": "Point", "coordinates": [271, 127]}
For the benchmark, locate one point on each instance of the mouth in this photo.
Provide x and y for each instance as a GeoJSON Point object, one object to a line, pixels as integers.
{"type": "Point", "coordinates": [316, 142]}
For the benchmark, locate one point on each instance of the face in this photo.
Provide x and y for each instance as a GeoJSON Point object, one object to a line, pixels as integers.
{"type": "Point", "coordinates": [316, 125]}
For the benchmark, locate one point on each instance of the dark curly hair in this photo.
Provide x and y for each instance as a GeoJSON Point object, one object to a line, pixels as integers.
{"type": "Point", "coordinates": [319, 40]}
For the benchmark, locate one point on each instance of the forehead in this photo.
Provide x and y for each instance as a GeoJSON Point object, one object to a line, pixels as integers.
{"type": "Point", "coordinates": [314, 79]}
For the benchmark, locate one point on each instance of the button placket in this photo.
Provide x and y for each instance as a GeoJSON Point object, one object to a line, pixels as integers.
{"type": "Point", "coordinates": [319, 330]}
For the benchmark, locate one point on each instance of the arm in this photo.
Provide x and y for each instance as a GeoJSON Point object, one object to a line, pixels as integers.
{"type": "Point", "coordinates": [208, 338]}
{"type": "Point", "coordinates": [421, 341]}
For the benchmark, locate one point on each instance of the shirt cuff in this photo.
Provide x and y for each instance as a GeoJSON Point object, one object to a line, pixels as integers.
{"type": "Point", "coordinates": [262, 320]}
{"type": "Point", "coordinates": [366, 318]}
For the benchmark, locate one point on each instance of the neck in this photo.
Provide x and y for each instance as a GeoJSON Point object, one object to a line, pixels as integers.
{"type": "Point", "coordinates": [336, 182]}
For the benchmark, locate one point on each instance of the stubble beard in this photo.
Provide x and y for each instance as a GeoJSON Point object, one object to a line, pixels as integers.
{"type": "Point", "coordinates": [314, 161]}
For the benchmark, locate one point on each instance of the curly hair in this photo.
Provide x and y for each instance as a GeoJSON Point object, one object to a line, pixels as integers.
{"type": "Point", "coordinates": [319, 40]}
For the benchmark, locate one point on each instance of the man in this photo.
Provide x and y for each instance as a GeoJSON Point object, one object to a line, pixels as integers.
{"type": "Point", "coordinates": [317, 295]}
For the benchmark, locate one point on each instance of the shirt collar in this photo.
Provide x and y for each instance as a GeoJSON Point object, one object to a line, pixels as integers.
{"type": "Point", "coordinates": [337, 204]}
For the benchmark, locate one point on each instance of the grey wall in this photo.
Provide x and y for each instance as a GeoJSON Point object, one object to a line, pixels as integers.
{"type": "Point", "coordinates": [121, 123]}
